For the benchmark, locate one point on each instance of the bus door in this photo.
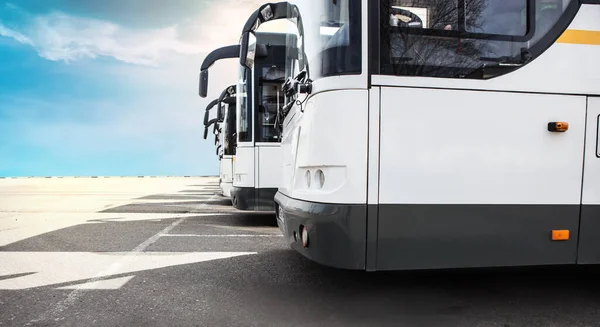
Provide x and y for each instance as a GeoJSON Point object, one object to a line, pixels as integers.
{"type": "Point", "coordinates": [589, 242]}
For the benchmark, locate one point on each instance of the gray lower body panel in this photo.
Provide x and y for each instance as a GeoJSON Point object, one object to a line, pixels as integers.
{"type": "Point", "coordinates": [253, 199]}
{"type": "Point", "coordinates": [428, 236]}
{"type": "Point", "coordinates": [440, 236]}
{"type": "Point", "coordinates": [336, 233]}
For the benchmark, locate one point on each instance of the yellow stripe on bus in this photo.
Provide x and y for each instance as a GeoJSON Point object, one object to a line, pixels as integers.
{"type": "Point", "coordinates": [580, 37]}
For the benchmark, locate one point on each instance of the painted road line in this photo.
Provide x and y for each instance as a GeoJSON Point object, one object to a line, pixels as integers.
{"type": "Point", "coordinates": [61, 306]}
{"type": "Point", "coordinates": [79, 270]}
{"type": "Point", "coordinates": [114, 267]}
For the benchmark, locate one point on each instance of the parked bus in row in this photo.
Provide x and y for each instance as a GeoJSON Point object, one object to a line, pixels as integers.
{"type": "Point", "coordinates": [439, 134]}
{"type": "Point", "coordinates": [256, 158]}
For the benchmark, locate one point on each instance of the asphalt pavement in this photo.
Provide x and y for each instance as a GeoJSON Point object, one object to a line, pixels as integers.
{"type": "Point", "coordinates": [171, 252]}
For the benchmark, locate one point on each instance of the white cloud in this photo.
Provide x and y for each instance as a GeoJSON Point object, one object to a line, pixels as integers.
{"type": "Point", "coordinates": [59, 36]}
{"type": "Point", "coordinates": [7, 32]}
{"type": "Point", "coordinates": [167, 121]}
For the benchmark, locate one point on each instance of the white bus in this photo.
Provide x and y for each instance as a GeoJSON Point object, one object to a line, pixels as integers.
{"type": "Point", "coordinates": [258, 155]}
{"type": "Point", "coordinates": [226, 115]}
{"type": "Point", "coordinates": [256, 159]}
{"type": "Point", "coordinates": [442, 134]}
{"type": "Point", "coordinates": [224, 133]}
{"type": "Point", "coordinates": [218, 139]}
{"type": "Point", "coordinates": [224, 152]}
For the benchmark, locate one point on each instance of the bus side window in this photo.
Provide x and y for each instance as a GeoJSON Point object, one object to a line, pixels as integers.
{"type": "Point", "coordinates": [496, 17]}
{"type": "Point", "coordinates": [424, 14]}
{"type": "Point", "coordinates": [466, 43]}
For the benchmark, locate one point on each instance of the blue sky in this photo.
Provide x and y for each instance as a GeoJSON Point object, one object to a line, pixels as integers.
{"type": "Point", "coordinates": [110, 87]}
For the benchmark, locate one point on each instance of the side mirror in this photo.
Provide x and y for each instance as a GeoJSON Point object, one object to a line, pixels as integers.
{"type": "Point", "coordinates": [248, 49]}
{"type": "Point", "coordinates": [209, 108]}
{"type": "Point", "coordinates": [203, 90]}
{"type": "Point", "coordinates": [206, 114]}
{"type": "Point", "coordinates": [227, 94]}
{"type": "Point", "coordinates": [265, 13]}
{"type": "Point", "coordinates": [221, 113]}
{"type": "Point", "coordinates": [232, 51]}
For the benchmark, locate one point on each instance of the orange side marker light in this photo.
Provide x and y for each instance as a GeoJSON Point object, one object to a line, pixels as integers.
{"type": "Point", "coordinates": [560, 235]}
{"type": "Point", "coordinates": [558, 126]}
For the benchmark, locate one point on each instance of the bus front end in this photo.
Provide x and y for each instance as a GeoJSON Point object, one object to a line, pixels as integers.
{"type": "Point", "coordinates": [321, 202]}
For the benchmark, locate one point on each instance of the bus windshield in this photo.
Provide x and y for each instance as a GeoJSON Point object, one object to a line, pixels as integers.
{"type": "Point", "coordinates": [229, 140]}
{"type": "Point", "coordinates": [332, 38]}
{"type": "Point", "coordinates": [270, 98]}
{"type": "Point", "coordinates": [244, 106]}
{"type": "Point", "coordinates": [475, 39]}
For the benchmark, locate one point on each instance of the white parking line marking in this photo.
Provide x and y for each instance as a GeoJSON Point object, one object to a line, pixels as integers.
{"type": "Point", "coordinates": [112, 269]}
{"type": "Point", "coordinates": [221, 235]}
{"type": "Point", "coordinates": [29, 270]}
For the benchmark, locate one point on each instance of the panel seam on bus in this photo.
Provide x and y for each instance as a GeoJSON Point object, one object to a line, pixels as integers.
{"type": "Point", "coordinates": [447, 88]}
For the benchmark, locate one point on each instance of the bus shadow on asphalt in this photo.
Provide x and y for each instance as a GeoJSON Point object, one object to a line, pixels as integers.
{"type": "Point", "coordinates": [125, 233]}
{"type": "Point", "coordinates": [174, 204]}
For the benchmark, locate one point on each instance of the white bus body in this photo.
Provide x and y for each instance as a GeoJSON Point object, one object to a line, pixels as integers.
{"type": "Point", "coordinates": [250, 172]}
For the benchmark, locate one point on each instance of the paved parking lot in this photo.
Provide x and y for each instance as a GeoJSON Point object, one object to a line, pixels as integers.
{"type": "Point", "coordinates": [169, 252]}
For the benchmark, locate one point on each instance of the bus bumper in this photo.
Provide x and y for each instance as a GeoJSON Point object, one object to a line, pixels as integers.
{"type": "Point", "coordinates": [336, 232]}
{"type": "Point", "coordinates": [253, 199]}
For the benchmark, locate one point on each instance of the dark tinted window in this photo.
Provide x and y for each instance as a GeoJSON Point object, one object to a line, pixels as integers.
{"type": "Point", "coordinates": [332, 38]}
{"type": "Point", "coordinates": [496, 17]}
{"type": "Point", "coordinates": [229, 128]}
{"type": "Point", "coordinates": [244, 89]}
{"type": "Point", "coordinates": [464, 38]}
{"type": "Point", "coordinates": [270, 99]}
